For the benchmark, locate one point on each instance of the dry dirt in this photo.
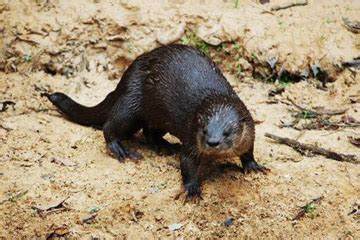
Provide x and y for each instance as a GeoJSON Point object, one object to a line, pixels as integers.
{"type": "Point", "coordinates": [82, 47]}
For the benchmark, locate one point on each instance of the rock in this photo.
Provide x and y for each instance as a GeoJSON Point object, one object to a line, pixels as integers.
{"type": "Point", "coordinates": [64, 162]}
{"type": "Point", "coordinates": [171, 36]}
{"type": "Point", "coordinates": [228, 222]}
{"type": "Point", "coordinates": [212, 35]}
{"type": "Point", "coordinates": [175, 226]}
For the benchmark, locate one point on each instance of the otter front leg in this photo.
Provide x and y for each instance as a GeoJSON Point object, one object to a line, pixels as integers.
{"type": "Point", "coordinates": [249, 164]}
{"type": "Point", "coordinates": [189, 171]}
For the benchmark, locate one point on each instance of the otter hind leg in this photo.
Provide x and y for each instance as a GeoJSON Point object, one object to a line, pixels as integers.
{"type": "Point", "coordinates": [154, 137]}
{"type": "Point", "coordinates": [121, 152]}
{"type": "Point", "coordinates": [122, 124]}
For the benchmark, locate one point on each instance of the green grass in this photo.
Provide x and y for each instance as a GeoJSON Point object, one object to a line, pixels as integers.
{"type": "Point", "coordinates": [310, 210]}
{"type": "Point", "coordinates": [307, 114]}
{"type": "Point", "coordinates": [328, 20]}
{"type": "Point", "coordinates": [193, 40]}
{"type": "Point", "coordinates": [27, 57]}
{"type": "Point", "coordinates": [236, 46]}
{"type": "Point", "coordinates": [130, 49]}
{"type": "Point", "coordinates": [285, 80]}
{"type": "Point", "coordinates": [18, 196]}
{"type": "Point", "coordinates": [236, 3]}
{"type": "Point", "coordinates": [282, 26]}
{"type": "Point", "coordinates": [220, 47]}
{"type": "Point", "coordinates": [239, 70]}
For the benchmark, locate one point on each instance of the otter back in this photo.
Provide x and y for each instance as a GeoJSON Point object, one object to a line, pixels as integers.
{"type": "Point", "coordinates": [179, 90]}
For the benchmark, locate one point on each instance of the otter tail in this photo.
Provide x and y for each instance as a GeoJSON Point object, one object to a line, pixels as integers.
{"type": "Point", "coordinates": [88, 116]}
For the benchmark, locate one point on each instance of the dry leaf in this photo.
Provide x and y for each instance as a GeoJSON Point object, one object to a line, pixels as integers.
{"type": "Point", "coordinates": [355, 141]}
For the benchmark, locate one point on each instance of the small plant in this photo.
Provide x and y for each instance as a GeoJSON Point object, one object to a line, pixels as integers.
{"type": "Point", "coordinates": [348, 233]}
{"type": "Point", "coordinates": [254, 57]}
{"type": "Point", "coordinates": [321, 40]}
{"type": "Point", "coordinates": [282, 26]}
{"type": "Point", "coordinates": [220, 47]}
{"type": "Point", "coordinates": [239, 70]}
{"type": "Point", "coordinates": [130, 49]}
{"type": "Point", "coordinates": [284, 80]}
{"type": "Point", "coordinates": [328, 21]}
{"type": "Point", "coordinates": [18, 196]}
{"type": "Point", "coordinates": [185, 40]}
{"type": "Point", "coordinates": [236, 2]}
{"type": "Point", "coordinates": [310, 210]}
{"type": "Point", "coordinates": [27, 57]}
{"type": "Point", "coordinates": [204, 47]}
{"type": "Point", "coordinates": [284, 84]}
{"type": "Point", "coordinates": [307, 114]}
{"type": "Point", "coordinates": [236, 46]}
{"type": "Point", "coordinates": [94, 210]}
{"type": "Point", "coordinates": [197, 42]}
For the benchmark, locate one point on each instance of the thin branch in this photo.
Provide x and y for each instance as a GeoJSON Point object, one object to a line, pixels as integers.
{"type": "Point", "coordinates": [6, 104]}
{"type": "Point", "coordinates": [331, 112]}
{"type": "Point", "coordinates": [289, 5]}
{"type": "Point", "coordinates": [318, 111]}
{"type": "Point", "coordinates": [303, 148]}
{"type": "Point", "coordinates": [263, 9]}
{"type": "Point", "coordinates": [353, 26]}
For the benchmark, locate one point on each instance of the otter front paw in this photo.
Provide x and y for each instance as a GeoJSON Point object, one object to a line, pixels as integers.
{"type": "Point", "coordinates": [133, 155]}
{"type": "Point", "coordinates": [192, 192]}
{"type": "Point", "coordinates": [253, 166]}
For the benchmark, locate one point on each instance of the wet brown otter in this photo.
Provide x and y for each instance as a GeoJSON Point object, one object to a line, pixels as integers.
{"type": "Point", "coordinates": [179, 90]}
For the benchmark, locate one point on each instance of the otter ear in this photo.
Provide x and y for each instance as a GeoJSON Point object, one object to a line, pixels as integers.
{"type": "Point", "coordinates": [242, 118]}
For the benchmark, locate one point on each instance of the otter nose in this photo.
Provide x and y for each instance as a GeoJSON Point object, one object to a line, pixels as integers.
{"type": "Point", "coordinates": [212, 142]}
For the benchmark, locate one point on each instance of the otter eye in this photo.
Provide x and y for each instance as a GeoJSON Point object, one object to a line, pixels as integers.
{"type": "Point", "coordinates": [226, 133]}
{"type": "Point", "coordinates": [205, 131]}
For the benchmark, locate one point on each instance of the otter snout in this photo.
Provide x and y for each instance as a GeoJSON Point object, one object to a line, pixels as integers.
{"type": "Point", "coordinates": [214, 138]}
{"type": "Point", "coordinates": [212, 142]}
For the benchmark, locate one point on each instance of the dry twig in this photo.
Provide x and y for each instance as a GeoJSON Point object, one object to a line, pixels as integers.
{"type": "Point", "coordinates": [262, 8]}
{"type": "Point", "coordinates": [353, 26]}
{"type": "Point", "coordinates": [320, 111]}
{"type": "Point", "coordinates": [305, 148]}
{"type": "Point", "coordinates": [289, 5]}
{"type": "Point", "coordinates": [58, 206]}
{"type": "Point", "coordinates": [90, 219]}
{"type": "Point", "coordinates": [354, 141]}
{"type": "Point", "coordinates": [5, 105]}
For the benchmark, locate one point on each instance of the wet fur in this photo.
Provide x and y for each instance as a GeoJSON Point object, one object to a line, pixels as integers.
{"type": "Point", "coordinates": [168, 90]}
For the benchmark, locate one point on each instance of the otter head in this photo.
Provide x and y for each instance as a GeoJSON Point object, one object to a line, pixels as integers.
{"type": "Point", "coordinates": [223, 131]}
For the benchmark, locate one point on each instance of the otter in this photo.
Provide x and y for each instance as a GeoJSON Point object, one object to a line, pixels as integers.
{"type": "Point", "coordinates": [173, 89]}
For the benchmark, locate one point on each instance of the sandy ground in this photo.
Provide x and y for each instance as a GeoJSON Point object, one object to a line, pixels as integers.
{"type": "Point", "coordinates": [45, 159]}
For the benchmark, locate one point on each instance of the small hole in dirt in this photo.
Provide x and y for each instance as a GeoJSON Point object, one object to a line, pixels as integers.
{"type": "Point", "coordinates": [49, 69]}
